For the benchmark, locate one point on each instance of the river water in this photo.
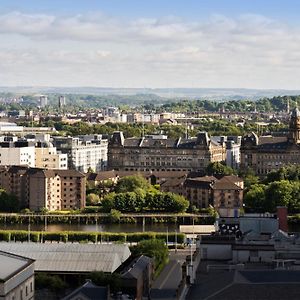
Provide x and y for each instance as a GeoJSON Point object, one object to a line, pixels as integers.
{"type": "Point", "coordinates": [157, 227]}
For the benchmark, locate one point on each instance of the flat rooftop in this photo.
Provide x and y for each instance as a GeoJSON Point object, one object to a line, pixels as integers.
{"type": "Point", "coordinates": [11, 264]}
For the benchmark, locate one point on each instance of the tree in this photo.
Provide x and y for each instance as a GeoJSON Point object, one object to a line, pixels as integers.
{"type": "Point", "coordinates": [103, 279]}
{"type": "Point", "coordinates": [155, 249]}
{"type": "Point", "coordinates": [249, 178]}
{"type": "Point", "coordinates": [8, 203]}
{"type": "Point", "coordinates": [294, 205]}
{"type": "Point", "coordinates": [255, 197]}
{"type": "Point", "coordinates": [278, 193]}
{"type": "Point", "coordinates": [108, 202]}
{"type": "Point", "coordinates": [218, 168]}
{"type": "Point", "coordinates": [131, 183]}
{"type": "Point", "coordinates": [92, 199]}
{"type": "Point", "coordinates": [174, 203]}
{"type": "Point", "coordinates": [114, 215]}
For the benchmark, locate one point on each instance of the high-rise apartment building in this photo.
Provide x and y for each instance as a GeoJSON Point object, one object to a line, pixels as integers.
{"type": "Point", "coordinates": [47, 157]}
{"type": "Point", "coordinates": [84, 152]}
{"type": "Point", "coordinates": [39, 188]}
{"type": "Point", "coordinates": [61, 101]}
{"type": "Point", "coordinates": [43, 101]}
{"type": "Point", "coordinates": [17, 153]}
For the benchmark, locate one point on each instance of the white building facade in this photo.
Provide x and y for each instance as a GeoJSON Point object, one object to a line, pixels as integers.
{"type": "Point", "coordinates": [46, 157]}
{"type": "Point", "coordinates": [17, 154]}
{"type": "Point", "coordinates": [84, 152]}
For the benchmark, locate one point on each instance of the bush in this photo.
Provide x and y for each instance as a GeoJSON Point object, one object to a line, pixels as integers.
{"type": "Point", "coordinates": [155, 249]}
{"type": "Point", "coordinates": [55, 236]}
{"type": "Point", "coordinates": [20, 236]}
{"type": "Point", "coordinates": [172, 237]}
{"type": "Point", "coordinates": [139, 236]}
{"type": "Point", "coordinates": [82, 236]}
{"type": "Point", "coordinates": [91, 209]}
{"type": "Point", "coordinates": [4, 236]}
{"type": "Point", "coordinates": [111, 237]}
{"type": "Point", "coordinates": [52, 282]}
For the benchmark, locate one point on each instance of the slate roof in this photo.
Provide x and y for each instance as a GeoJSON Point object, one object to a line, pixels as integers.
{"type": "Point", "coordinates": [225, 185]}
{"type": "Point", "coordinates": [204, 181]}
{"type": "Point", "coordinates": [101, 175]}
{"type": "Point", "coordinates": [271, 276]}
{"type": "Point", "coordinates": [173, 182]}
{"type": "Point", "coordinates": [71, 258]}
{"type": "Point", "coordinates": [137, 267]}
{"type": "Point", "coordinates": [89, 291]}
{"type": "Point", "coordinates": [278, 291]}
{"type": "Point", "coordinates": [202, 140]}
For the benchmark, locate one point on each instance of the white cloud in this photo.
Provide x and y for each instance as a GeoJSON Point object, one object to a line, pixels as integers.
{"type": "Point", "coordinates": [94, 49]}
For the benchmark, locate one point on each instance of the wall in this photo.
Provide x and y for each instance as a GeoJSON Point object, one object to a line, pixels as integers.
{"type": "Point", "coordinates": [246, 255]}
{"type": "Point", "coordinates": [216, 251]}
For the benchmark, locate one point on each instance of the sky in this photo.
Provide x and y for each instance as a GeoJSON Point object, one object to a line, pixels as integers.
{"type": "Point", "coordinates": [152, 44]}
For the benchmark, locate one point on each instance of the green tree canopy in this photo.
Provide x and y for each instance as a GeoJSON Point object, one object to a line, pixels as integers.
{"type": "Point", "coordinates": [92, 199]}
{"type": "Point", "coordinates": [255, 197]}
{"type": "Point", "coordinates": [131, 183]}
{"type": "Point", "coordinates": [218, 168]}
{"type": "Point", "coordinates": [155, 249]}
{"type": "Point", "coordinates": [278, 193]}
{"type": "Point", "coordinates": [8, 203]}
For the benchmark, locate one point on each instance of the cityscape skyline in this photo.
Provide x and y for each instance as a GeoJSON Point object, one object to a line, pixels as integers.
{"type": "Point", "coordinates": [203, 44]}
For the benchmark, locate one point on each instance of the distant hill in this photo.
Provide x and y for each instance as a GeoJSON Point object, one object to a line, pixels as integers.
{"type": "Point", "coordinates": [218, 94]}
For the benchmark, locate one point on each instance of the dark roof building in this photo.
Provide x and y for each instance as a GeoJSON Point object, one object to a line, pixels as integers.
{"type": "Point", "coordinates": [267, 153]}
{"type": "Point", "coordinates": [163, 154]}
{"type": "Point", "coordinates": [89, 291]}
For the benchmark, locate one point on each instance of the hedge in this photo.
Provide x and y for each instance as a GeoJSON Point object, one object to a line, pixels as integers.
{"type": "Point", "coordinates": [79, 236]}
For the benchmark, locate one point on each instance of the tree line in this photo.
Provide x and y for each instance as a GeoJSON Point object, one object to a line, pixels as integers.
{"type": "Point", "coordinates": [136, 194]}
{"type": "Point", "coordinates": [279, 188]}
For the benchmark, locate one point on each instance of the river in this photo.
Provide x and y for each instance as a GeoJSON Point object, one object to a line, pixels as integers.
{"type": "Point", "coordinates": [156, 227]}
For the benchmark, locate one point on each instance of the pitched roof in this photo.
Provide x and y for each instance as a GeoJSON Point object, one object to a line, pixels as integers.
{"type": "Point", "coordinates": [173, 182]}
{"type": "Point", "coordinates": [225, 185]}
{"type": "Point", "coordinates": [90, 291]}
{"type": "Point", "coordinates": [232, 178]}
{"type": "Point", "coordinates": [101, 175]}
{"type": "Point", "coordinates": [137, 267]}
{"type": "Point", "coordinates": [205, 181]}
{"type": "Point", "coordinates": [68, 257]}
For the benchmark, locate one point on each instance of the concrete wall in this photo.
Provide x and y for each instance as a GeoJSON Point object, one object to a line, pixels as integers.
{"type": "Point", "coordinates": [216, 252]}
{"type": "Point", "coordinates": [247, 255]}
{"type": "Point", "coordinates": [20, 286]}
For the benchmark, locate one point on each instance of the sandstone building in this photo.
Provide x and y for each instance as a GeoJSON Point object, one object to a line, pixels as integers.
{"type": "Point", "coordinates": [158, 153]}
{"type": "Point", "coordinates": [221, 193]}
{"type": "Point", "coordinates": [267, 153]}
{"type": "Point", "coordinates": [39, 188]}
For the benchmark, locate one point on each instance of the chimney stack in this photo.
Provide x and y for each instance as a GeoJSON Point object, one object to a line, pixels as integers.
{"type": "Point", "coordinates": [282, 218]}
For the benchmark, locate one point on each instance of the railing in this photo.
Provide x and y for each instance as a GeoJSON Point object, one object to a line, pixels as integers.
{"type": "Point", "coordinates": [138, 215]}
